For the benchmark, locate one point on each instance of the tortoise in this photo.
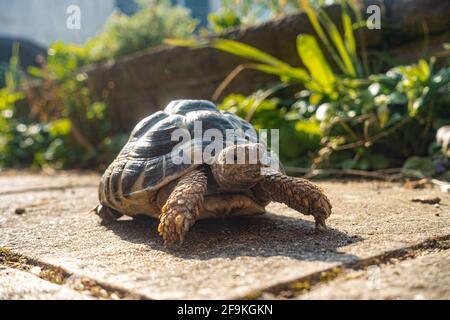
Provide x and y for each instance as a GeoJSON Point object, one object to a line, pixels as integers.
{"type": "Point", "coordinates": [147, 177]}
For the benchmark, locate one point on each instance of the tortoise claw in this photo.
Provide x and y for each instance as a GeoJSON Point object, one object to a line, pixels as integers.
{"type": "Point", "coordinates": [321, 211]}
{"type": "Point", "coordinates": [320, 225]}
{"type": "Point", "coordinates": [174, 226]}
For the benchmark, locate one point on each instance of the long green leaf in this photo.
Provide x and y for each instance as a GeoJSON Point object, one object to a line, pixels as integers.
{"type": "Point", "coordinates": [312, 16]}
{"type": "Point", "coordinates": [246, 51]}
{"type": "Point", "coordinates": [348, 29]}
{"type": "Point", "coordinates": [349, 37]}
{"type": "Point", "coordinates": [295, 74]}
{"type": "Point", "coordinates": [338, 42]}
{"type": "Point", "coordinates": [312, 57]}
{"type": "Point", "coordinates": [234, 47]}
{"type": "Point", "coordinates": [313, 19]}
{"type": "Point", "coordinates": [193, 43]}
{"type": "Point", "coordinates": [360, 23]}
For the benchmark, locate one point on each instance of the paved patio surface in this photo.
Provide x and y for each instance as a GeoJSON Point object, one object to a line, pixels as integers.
{"type": "Point", "coordinates": [378, 238]}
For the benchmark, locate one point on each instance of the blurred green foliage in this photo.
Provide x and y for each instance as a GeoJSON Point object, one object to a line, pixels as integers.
{"type": "Point", "coordinates": [242, 13]}
{"type": "Point", "coordinates": [19, 140]}
{"type": "Point", "coordinates": [147, 28]}
{"type": "Point", "coordinates": [223, 20]}
{"type": "Point", "coordinates": [3, 70]}
{"type": "Point", "coordinates": [67, 126]}
{"type": "Point", "coordinates": [122, 35]}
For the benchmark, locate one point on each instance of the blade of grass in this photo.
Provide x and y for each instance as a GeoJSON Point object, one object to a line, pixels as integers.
{"type": "Point", "coordinates": [312, 15]}
{"type": "Point", "coordinates": [246, 51]}
{"type": "Point", "coordinates": [193, 43]}
{"type": "Point", "coordinates": [234, 47]}
{"type": "Point", "coordinates": [335, 36]}
{"type": "Point", "coordinates": [348, 29]}
{"type": "Point", "coordinates": [354, 5]}
{"type": "Point", "coordinates": [225, 83]}
{"type": "Point", "coordinates": [261, 97]}
{"type": "Point", "coordinates": [349, 36]}
{"type": "Point", "coordinates": [293, 74]}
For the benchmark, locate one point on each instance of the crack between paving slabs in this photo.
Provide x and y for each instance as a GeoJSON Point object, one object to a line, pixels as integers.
{"type": "Point", "coordinates": [62, 277]}
{"type": "Point", "coordinates": [295, 288]}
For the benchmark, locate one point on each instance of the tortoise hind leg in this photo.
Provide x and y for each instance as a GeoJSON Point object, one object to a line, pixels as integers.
{"type": "Point", "coordinates": [299, 194]}
{"type": "Point", "coordinates": [181, 209]}
{"type": "Point", "coordinates": [106, 214]}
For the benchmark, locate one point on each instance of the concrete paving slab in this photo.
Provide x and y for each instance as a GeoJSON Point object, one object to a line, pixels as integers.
{"type": "Point", "coordinates": [14, 181]}
{"type": "Point", "coordinates": [221, 258]}
{"type": "Point", "coordinates": [20, 285]}
{"type": "Point", "coordinates": [425, 277]}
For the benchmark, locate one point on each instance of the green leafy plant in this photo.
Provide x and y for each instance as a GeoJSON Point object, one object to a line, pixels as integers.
{"type": "Point", "coordinates": [223, 20]}
{"type": "Point", "coordinates": [77, 123]}
{"type": "Point", "coordinates": [120, 36]}
{"type": "Point", "coordinates": [147, 28]}
{"type": "Point", "coordinates": [20, 139]}
{"type": "Point", "coordinates": [396, 115]}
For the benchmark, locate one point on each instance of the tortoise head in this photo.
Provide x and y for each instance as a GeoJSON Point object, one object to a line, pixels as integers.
{"type": "Point", "coordinates": [238, 166]}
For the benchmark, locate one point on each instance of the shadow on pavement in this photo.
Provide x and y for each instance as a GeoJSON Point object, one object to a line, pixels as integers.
{"type": "Point", "coordinates": [259, 236]}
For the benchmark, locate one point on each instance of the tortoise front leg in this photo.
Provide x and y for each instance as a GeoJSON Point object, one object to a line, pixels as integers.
{"type": "Point", "coordinates": [299, 194]}
{"type": "Point", "coordinates": [181, 209]}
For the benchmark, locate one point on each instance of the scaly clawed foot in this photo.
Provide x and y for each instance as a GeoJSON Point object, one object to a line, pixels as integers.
{"type": "Point", "coordinates": [299, 194]}
{"type": "Point", "coordinates": [182, 208]}
{"type": "Point", "coordinates": [174, 224]}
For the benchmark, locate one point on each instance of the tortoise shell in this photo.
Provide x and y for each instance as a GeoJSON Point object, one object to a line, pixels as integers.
{"type": "Point", "coordinates": [145, 163]}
